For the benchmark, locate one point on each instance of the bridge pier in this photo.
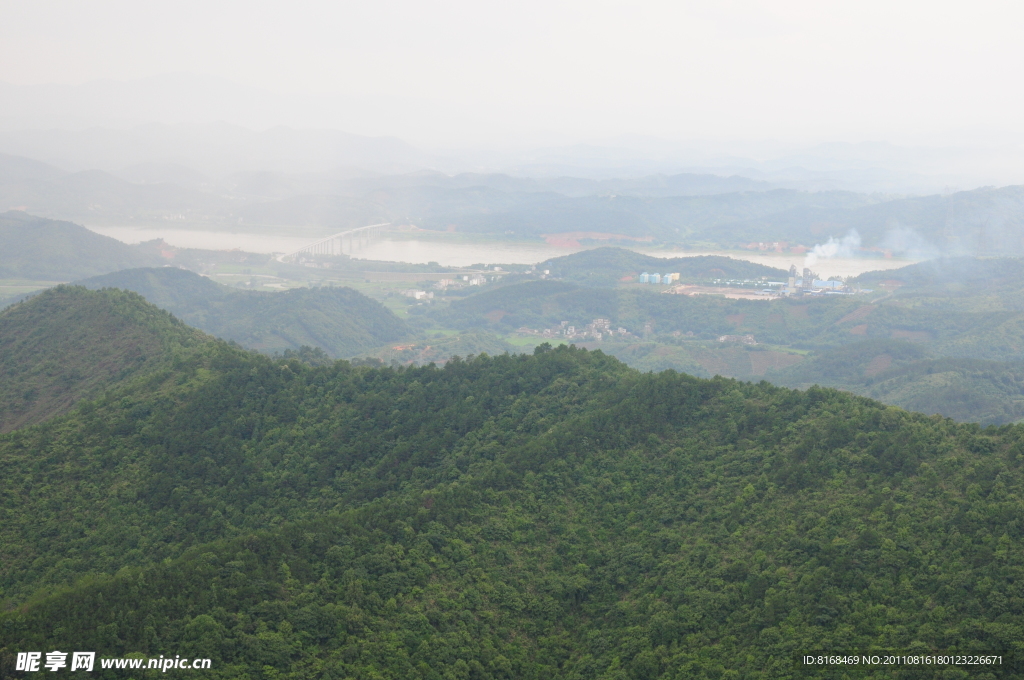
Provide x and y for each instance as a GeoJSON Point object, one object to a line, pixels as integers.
{"type": "Point", "coordinates": [335, 245]}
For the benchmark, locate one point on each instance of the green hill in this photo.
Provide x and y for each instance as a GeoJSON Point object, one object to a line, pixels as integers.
{"type": "Point", "coordinates": [605, 267]}
{"type": "Point", "coordinates": [549, 516]}
{"type": "Point", "coordinates": [179, 291]}
{"type": "Point", "coordinates": [904, 374]}
{"type": "Point", "coordinates": [967, 283]}
{"type": "Point", "coordinates": [952, 276]}
{"type": "Point", "coordinates": [341, 321]}
{"type": "Point", "coordinates": [988, 392]}
{"type": "Point", "coordinates": [68, 343]}
{"type": "Point", "coordinates": [47, 250]}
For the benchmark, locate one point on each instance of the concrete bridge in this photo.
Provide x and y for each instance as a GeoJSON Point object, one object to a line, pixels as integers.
{"type": "Point", "coordinates": [336, 244]}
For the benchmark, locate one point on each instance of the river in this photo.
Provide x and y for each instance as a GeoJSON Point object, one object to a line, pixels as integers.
{"type": "Point", "coordinates": [422, 251]}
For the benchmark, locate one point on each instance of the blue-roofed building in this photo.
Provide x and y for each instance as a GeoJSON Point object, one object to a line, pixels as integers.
{"type": "Point", "coordinates": [644, 278]}
{"type": "Point", "coordinates": [655, 277]}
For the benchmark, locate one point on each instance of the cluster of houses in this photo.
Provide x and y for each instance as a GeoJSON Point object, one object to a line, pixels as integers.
{"type": "Point", "coordinates": [460, 281]}
{"type": "Point", "coordinates": [598, 329]}
{"type": "Point", "coordinates": [453, 282]}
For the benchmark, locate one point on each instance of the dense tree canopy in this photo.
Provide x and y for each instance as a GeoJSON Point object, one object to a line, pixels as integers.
{"type": "Point", "coordinates": [557, 515]}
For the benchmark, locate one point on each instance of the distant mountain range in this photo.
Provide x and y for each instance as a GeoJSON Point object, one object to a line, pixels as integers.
{"type": "Point", "coordinates": [100, 124]}
{"type": "Point", "coordinates": [687, 210]}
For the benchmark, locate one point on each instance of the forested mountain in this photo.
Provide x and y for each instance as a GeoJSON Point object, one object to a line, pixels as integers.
{"type": "Point", "coordinates": [68, 344]}
{"type": "Point", "coordinates": [341, 321]}
{"type": "Point", "coordinates": [42, 249]}
{"type": "Point", "coordinates": [549, 516]}
{"type": "Point", "coordinates": [179, 291]}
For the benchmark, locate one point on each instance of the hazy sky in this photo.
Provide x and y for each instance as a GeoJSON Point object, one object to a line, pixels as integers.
{"type": "Point", "coordinates": [801, 71]}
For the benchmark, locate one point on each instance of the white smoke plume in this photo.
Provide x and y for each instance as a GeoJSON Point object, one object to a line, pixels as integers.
{"type": "Point", "coordinates": [907, 242]}
{"type": "Point", "coordinates": [844, 247]}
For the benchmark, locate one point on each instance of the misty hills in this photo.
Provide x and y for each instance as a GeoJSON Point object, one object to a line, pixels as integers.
{"type": "Point", "coordinates": [649, 186]}
{"type": "Point", "coordinates": [985, 221]}
{"type": "Point", "coordinates": [166, 173]}
{"type": "Point", "coordinates": [157, 191]}
{"type": "Point", "coordinates": [96, 196]}
{"type": "Point", "coordinates": [548, 516]}
{"type": "Point", "coordinates": [41, 249]}
{"type": "Point", "coordinates": [117, 108]}
{"type": "Point", "coordinates": [700, 210]}
{"type": "Point", "coordinates": [991, 283]}
{"type": "Point", "coordinates": [19, 168]}
{"type": "Point", "coordinates": [683, 209]}
{"type": "Point", "coordinates": [212, 149]}
{"type": "Point", "coordinates": [340, 321]}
